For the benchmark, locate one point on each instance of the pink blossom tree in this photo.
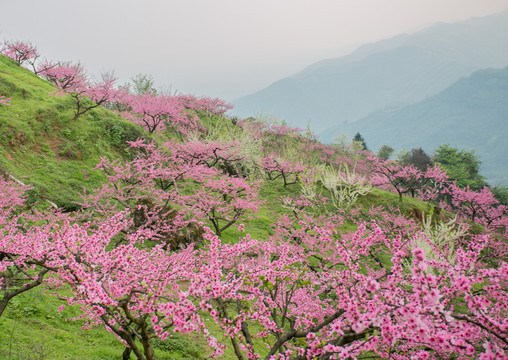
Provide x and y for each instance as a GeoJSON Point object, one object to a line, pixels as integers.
{"type": "Point", "coordinates": [151, 187]}
{"type": "Point", "coordinates": [136, 293]}
{"type": "Point", "coordinates": [97, 93]}
{"type": "Point", "coordinates": [71, 79]}
{"type": "Point", "coordinates": [158, 112]}
{"type": "Point", "coordinates": [276, 168]}
{"type": "Point", "coordinates": [224, 200]}
{"type": "Point", "coordinates": [480, 206]}
{"type": "Point", "coordinates": [225, 157]}
{"type": "Point", "coordinates": [65, 76]}
{"type": "Point", "coordinates": [208, 105]}
{"type": "Point", "coordinates": [20, 52]}
{"type": "Point", "coordinates": [26, 251]}
{"type": "Point", "coordinates": [166, 192]}
{"type": "Point", "coordinates": [408, 179]}
{"type": "Point", "coordinates": [483, 208]}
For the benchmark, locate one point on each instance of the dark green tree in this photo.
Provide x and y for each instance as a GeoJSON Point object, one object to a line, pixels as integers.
{"type": "Point", "coordinates": [501, 194]}
{"type": "Point", "coordinates": [359, 139]}
{"type": "Point", "coordinates": [418, 158]}
{"type": "Point", "coordinates": [461, 165]}
{"type": "Point", "coordinates": [385, 152]}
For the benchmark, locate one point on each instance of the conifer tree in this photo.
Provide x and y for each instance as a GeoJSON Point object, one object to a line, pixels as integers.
{"type": "Point", "coordinates": [359, 139]}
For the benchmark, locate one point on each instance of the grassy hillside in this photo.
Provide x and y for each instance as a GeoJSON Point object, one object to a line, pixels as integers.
{"type": "Point", "coordinates": [41, 145]}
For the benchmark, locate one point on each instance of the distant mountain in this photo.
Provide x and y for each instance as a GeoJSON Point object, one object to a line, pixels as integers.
{"type": "Point", "coordinates": [401, 70]}
{"type": "Point", "coordinates": [470, 114]}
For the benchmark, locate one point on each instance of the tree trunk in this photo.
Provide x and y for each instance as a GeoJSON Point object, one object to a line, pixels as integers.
{"type": "Point", "coordinates": [126, 355]}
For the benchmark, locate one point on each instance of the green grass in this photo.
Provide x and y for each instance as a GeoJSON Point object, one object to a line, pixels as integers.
{"type": "Point", "coordinates": [259, 225]}
{"type": "Point", "coordinates": [32, 328]}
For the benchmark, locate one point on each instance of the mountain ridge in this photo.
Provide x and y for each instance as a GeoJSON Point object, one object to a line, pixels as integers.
{"type": "Point", "coordinates": [406, 68]}
{"type": "Point", "coordinates": [470, 114]}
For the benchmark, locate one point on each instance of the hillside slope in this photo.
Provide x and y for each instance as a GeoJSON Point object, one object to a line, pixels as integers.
{"type": "Point", "coordinates": [400, 70]}
{"type": "Point", "coordinates": [41, 145]}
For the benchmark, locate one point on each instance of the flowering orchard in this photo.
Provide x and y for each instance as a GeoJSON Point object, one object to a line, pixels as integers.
{"type": "Point", "coordinates": [149, 253]}
{"type": "Point", "coordinates": [312, 290]}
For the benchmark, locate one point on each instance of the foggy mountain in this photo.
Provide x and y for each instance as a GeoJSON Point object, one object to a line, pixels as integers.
{"type": "Point", "coordinates": [470, 114]}
{"type": "Point", "coordinates": [397, 71]}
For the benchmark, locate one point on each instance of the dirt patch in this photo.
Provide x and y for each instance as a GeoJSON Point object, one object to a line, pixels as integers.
{"type": "Point", "coordinates": [86, 174]}
{"type": "Point", "coordinates": [55, 144]}
{"type": "Point", "coordinates": [20, 138]}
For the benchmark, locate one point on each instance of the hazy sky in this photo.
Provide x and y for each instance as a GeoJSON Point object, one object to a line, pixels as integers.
{"type": "Point", "coordinates": [220, 48]}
